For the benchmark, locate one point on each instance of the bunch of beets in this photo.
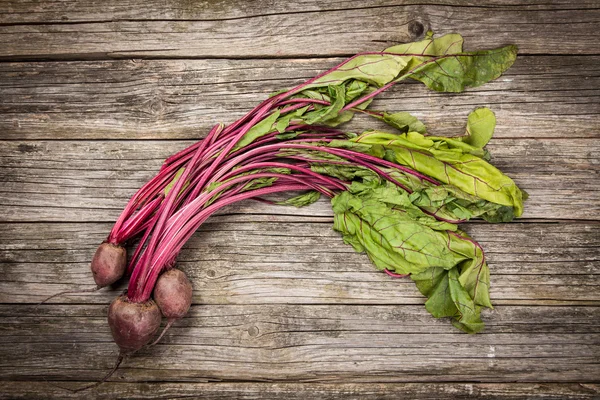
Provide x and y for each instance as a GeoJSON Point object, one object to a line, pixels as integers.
{"type": "Point", "coordinates": [396, 196]}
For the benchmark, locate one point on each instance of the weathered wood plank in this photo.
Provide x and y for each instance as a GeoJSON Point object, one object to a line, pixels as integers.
{"type": "Point", "coordinates": [308, 343]}
{"type": "Point", "coordinates": [282, 262]}
{"type": "Point", "coordinates": [326, 32]}
{"type": "Point", "coordinates": [36, 324]}
{"type": "Point", "coordinates": [301, 391]}
{"type": "Point", "coordinates": [550, 96]}
{"type": "Point", "coordinates": [31, 11]}
{"type": "Point", "coordinates": [92, 180]}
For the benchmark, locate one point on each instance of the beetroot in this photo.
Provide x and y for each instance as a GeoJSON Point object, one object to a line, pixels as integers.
{"type": "Point", "coordinates": [133, 324]}
{"type": "Point", "coordinates": [108, 264]}
{"type": "Point", "coordinates": [173, 294]}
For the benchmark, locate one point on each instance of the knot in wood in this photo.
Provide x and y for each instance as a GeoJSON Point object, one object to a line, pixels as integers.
{"type": "Point", "coordinates": [253, 331]}
{"type": "Point", "coordinates": [157, 106]}
{"type": "Point", "coordinates": [416, 28]}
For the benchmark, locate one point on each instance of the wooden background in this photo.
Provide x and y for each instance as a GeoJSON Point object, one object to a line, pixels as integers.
{"type": "Point", "coordinates": [95, 94]}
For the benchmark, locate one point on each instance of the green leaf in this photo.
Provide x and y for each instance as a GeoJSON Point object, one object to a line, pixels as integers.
{"type": "Point", "coordinates": [394, 233]}
{"type": "Point", "coordinates": [260, 129]}
{"type": "Point", "coordinates": [404, 122]}
{"type": "Point", "coordinates": [259, 183]}
{"type": "Point", "coordinates": [341, 118]}
{"type": "Point", "coordinates": [455, 72]}
{"type": "Point", "coordinates": [280, 91]}
{"type": "Point", "coordinates": [288, 135]}
{"type": "Point", "coordinates": [444, 201]}
{"type": "Point", "coordinates": [461, 291]}
{"type": "Point", "coordinates": [171, 184]}
{"type": "Point", "coordinates": [354, 89]}
{"type": "Point", "coordinates": [441, 64]}
{"type": "Point", "coordinates": [284, 121]}
{"type": "Point", "coordinates": [451, 203]}
{"type": "Point", "coordinates": [348, 172]}
{"type": "Point", "coordinates": [448, 267]}
{"type": "Point", "coordinates": [337, 96]}
{"type": "Point", "coordinates": [373, 150]}
{"type": "Point", "coordinates": [445, 160]}
{"type": "Point", "coordinates": [447, 44]}
{"type": "Point", "coordinates": [446, 297]}
{"type": "Point", "coordinates": [480, 127]}
{"type": "Point", "coordinates": [302, 200]}
{"type": "Point", "coordinates": [474, 272]}
{"type": "Point", "coordinates": [433, 284]}
{"type": "Point", "coordinates": [468, 316]}
{"type": "Point", "coordinates": [374, 69]}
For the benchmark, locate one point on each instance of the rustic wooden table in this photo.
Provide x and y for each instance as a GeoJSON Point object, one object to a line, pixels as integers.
{"type": "Point", "coordinates": [95, 94]}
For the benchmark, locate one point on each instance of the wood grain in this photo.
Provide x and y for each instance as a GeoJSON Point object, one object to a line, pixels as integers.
{"type": "Point", "coordinates": [92, 180]}
{"type": "Point", "coordinates": [343, 31]}
{"type": "Point", "coordinates": [300, 391]}
{"type": "Point", "coordinates": [549, 96]}
{"type": "Point", "coordinates": [303, 263]}
{"type": "Point", "coordinates": [307, 343]}
{"type": "Point", "coordinates": [31, 11]}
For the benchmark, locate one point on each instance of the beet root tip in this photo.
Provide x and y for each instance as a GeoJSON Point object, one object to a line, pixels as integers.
{"type": "Point", "coordinates": [108, 264]}
{"type": "Point", "coordinates": [133, 324]}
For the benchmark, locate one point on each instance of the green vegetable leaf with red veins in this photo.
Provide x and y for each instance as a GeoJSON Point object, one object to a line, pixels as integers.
{"type": "Point", "coordinates": [284, 121]}
{"type": "Point", "coordinates": [354, 89]}
{"type": "Point", "coordinates": [480, 129]}
{"type": "Point", "coordinates": [448, 266]}
{"type": "Point", "coordinates": [447, 162]}
{"type": "Point", "coordinates": [451, 203]}
{"type": "Point", "coordinates": [441, 64]}
{"type": "Point", "coordinates": [448, 201]}
{"type": "Point", "coordinates": [346, 172]}
{"type": "Point", "coordinates": [395, 234]}
{"type": "Point", "coordinates": [446, 297]}
{"type": "Point", "coordinates": [338, 96]}
{"type": "Point", "coordinates": [444, 201]}
{"type": "Point", "coordinates": [455, 73]}
{"type": "Point", "coordinates": [374, 69]}
{"type": "Point", "coordinates": [423, 50]}
{"type": "Point", "coordinates": [481, 123]}
{"type": "Point", "coordinates": [460, 292]}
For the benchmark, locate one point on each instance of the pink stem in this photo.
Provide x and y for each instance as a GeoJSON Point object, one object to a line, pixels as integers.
{"type": "Point", "coordinates": [395, 275]}
{"type": "Point", "coordinates": [175, 242]}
